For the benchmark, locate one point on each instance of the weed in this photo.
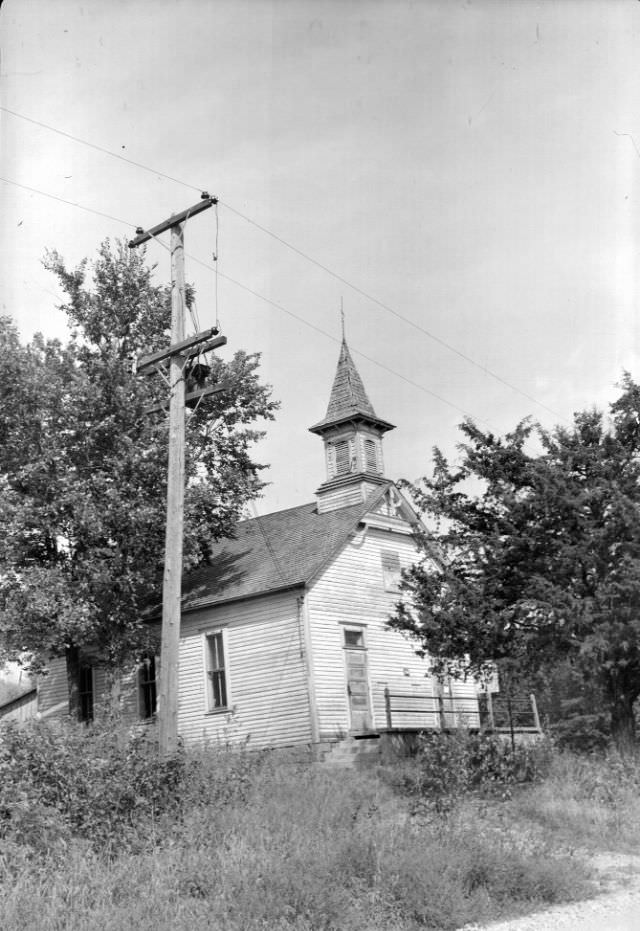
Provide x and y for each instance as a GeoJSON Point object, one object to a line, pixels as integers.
{"type": "Point", "coordinates": [246, 841]}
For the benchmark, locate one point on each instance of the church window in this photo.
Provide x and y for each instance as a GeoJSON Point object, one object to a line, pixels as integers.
{"type": "Point", "coordinates": [391, 571]}
{"type": "Point", "coordinates": [218, 693]}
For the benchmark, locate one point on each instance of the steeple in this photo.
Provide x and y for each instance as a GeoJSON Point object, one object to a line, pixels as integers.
{"type": "Point", "coordinates": [352, 436]}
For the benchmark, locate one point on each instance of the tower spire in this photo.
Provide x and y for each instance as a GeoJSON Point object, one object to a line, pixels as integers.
{"type": "Point", "coordinates": [352, 435]}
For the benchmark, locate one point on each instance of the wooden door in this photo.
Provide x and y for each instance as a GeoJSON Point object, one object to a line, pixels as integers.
{"type": "Point", "coordinates": [357, 681]}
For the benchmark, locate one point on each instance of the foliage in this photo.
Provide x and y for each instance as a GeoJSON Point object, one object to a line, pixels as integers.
{"type": "Point", "coordinates": [83, 465]}
{"type": "Point", "coordinates": [571, 708]}
{"type": "Point", "coordinates": [98, 784]}
{"type": "Point", "coordinates": [587, 800]}
{"type": "Point", "coordinates": [536, 556]}
{"type": "Point", "coordinates": [582, 733]}
{"type": "Point", "coordinates": [446, 767]}
{"type": "Point", "coordinates": [250, 841]}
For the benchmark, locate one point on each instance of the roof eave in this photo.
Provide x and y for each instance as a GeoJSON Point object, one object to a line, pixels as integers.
{"type": "Point", "coordinates": [354, 416]}
{"type": "Point", "coordinates": [214, 603]}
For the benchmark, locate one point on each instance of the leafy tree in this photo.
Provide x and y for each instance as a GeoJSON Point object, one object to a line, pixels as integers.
{"type": "Point", "coordinates": [83, 467]}
{"type": "Point", "coordinates": [537, 555]}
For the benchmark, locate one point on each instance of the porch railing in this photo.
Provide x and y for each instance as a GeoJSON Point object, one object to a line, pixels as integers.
{"type": "Point", "coordinates": [426, 711]}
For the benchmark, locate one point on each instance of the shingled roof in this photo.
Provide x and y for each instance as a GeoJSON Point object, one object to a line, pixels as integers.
{"type": "Point", "coordinates": [348, 392]}
{"type": "Point", "coordinates": [348, 398]}
{"type": "Point", "coordinates": [271, 553]}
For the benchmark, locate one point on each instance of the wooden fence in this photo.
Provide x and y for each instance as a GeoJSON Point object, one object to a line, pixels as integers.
{"type": "Point", "coordinates": [414, 711]}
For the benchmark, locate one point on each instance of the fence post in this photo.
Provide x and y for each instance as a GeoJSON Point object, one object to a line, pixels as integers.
{"type": "Point", "coordinates": [534, 708]}
{"type": "Point", "coordinates": [387, 705]}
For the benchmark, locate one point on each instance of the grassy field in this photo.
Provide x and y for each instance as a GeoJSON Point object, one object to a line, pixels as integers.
{"type": "Point", "coordinates": [238, 841]}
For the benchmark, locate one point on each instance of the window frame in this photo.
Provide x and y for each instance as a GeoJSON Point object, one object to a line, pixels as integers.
{"type": "Point", "coordinates": [209, 694]}
{"type": "Point", "coordinates": [151, 684]}
{"type": "Point", "coordinates": [86, 696]}
{"type": "Point", "coordinates": [354, 629]}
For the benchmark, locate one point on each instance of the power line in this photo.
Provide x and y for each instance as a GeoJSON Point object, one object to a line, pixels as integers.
{"type": "Point", "coordinates": [386, 307]}
{"type": "Point", "coordinates": [261, 297]}
{"type": "Point", "coordinates": [98, 148]}
{"type": "Point", "coordinates": [304, 255]}
{"type": "Point", "coordinates": [71, 203]}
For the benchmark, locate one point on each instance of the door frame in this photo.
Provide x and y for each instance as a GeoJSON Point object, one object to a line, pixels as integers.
{"type": "Point", "coordinates": [352, 648]}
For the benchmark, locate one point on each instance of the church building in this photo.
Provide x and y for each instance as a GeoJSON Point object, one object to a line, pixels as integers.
{"type": "Point", "coordinates": [284, 637]}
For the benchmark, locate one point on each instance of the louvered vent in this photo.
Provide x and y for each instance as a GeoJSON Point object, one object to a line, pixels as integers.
{"type": "Point", "coordinates": [370, 456]}
{"type": "Point", "coordinates": [342, 457]}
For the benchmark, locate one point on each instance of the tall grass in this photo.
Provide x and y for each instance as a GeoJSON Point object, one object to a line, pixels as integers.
{"type": "Point", "coordinates": [243, 842]}
{"type": "Point", "coordinates": [587, 801]}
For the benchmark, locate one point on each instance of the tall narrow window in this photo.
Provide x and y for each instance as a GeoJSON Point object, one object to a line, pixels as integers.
{"type": "Point", "coordinates": [370, 456]}
{"type": "Point", "coordinates": [148, 688]}
{"type": "Point", "coordinates": [85, 693]}
{"type": "Point", "coordinates": [216, 672]}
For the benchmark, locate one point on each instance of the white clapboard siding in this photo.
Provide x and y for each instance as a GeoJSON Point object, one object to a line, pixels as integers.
{"type": "Point", "coordinates": [351, 591]}
{"type": "Point", "coordinates": [53, 695]}
{"type": "Point", "coordinates": [53, 691]}
{"type": "Point", "coordinates": [129, 694]}
{"type": "Point", "coordinates": [343, 496]}
{"type": "Point", "coordinates": [266, 675]}
{"type": "Point", "coordinates": [21, 709]}
{"type": "Point", "coordinates": [116, 692]}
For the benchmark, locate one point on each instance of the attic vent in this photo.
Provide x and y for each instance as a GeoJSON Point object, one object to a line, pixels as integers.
{"type": "Point", "coordinates": [370, 456]}
{"type": "Point", "coordinates": [391, 572]}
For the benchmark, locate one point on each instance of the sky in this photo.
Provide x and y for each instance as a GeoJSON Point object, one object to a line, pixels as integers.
{"type": "Point", "coordinates": [461, 176]}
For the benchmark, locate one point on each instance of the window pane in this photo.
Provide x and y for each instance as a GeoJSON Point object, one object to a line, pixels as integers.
{"type": "Point", "coordinates": [217, 657]}
{"type": "Point", "coordinates": [219, 689]}
{"type": "Point", "coordinates": [148, 691]}
{"type": "Point", "coordinates": [216, 672]}
{"type": "Point", "coordinates": [354, 638]}
{"type": "Point", "coordinates": [85, 690]}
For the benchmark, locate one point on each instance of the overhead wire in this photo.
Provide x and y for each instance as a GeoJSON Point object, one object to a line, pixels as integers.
{"type": "Point", "coordinates": [98, 148]}
{"type": "Point", "coordinates": [302, 254]}
{"type": "Point", "coordinates": [267, 300]}
{"type": "Point", "coordinates": [62, 200]}
{"type": "Point", "coordinates": [388, 309]}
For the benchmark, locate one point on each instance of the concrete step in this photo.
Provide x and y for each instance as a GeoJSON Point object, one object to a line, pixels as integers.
{"type": "Point", "coordinates": [352, 752]}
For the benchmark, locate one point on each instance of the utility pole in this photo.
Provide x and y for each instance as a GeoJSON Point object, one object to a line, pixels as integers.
{"type": "Point", "coordinates": [179, 353]}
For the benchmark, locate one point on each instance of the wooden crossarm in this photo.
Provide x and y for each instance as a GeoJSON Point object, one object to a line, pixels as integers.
{"type": "Point", "coordinates": [146, 235]}
{"type": "Point", "coordinates": [192, 396]}
{"type": "Point", "coordinates": [177, 349]}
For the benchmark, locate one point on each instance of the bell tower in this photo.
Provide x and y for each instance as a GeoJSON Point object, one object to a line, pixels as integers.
{"type": "Point", "coordinates": [352, 437]}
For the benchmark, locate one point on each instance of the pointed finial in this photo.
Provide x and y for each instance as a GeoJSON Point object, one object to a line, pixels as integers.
{"type": "Point", "coordinates": [342, 318]}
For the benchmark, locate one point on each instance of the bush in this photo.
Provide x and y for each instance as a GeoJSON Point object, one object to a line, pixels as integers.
{"type": "Point", "coordinates": [445, 767]}
{"type": "Point", "coordinates": [101, 784]}
{"type": "Point", "coordinates": [582, 733]}
{"type": "Point", "coordinates": [248, 841]}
